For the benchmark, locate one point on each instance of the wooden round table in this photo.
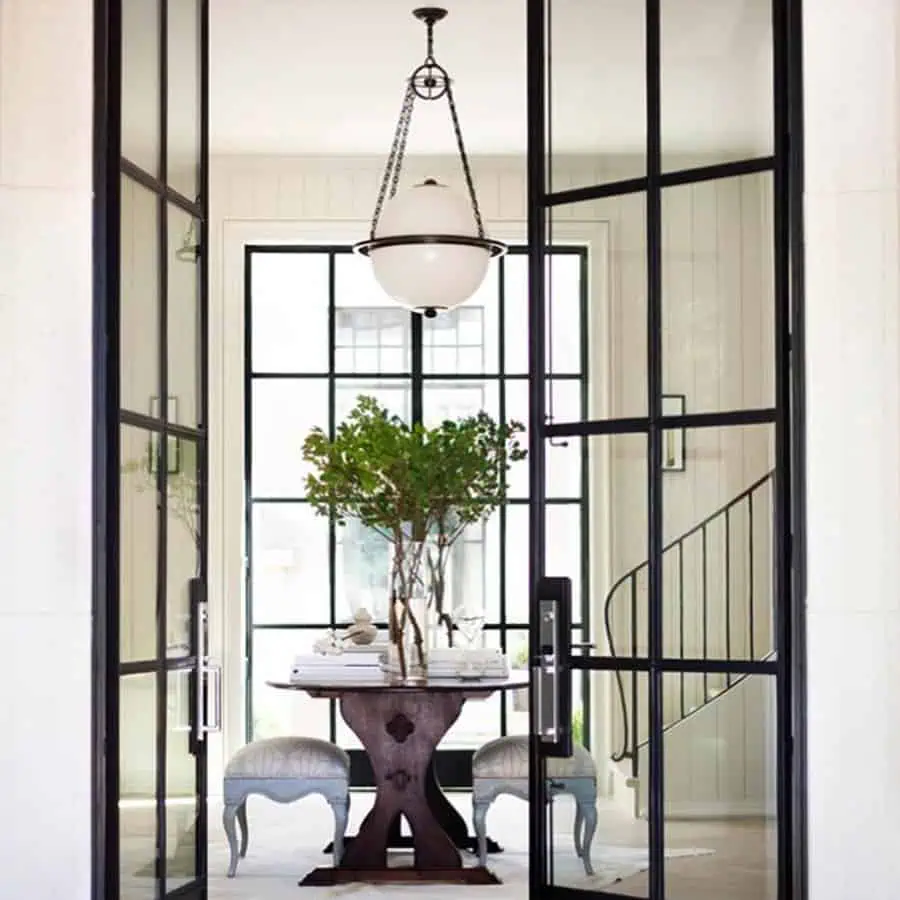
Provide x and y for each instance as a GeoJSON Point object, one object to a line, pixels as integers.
{"type": "Point", "coordinates": [400, 726]}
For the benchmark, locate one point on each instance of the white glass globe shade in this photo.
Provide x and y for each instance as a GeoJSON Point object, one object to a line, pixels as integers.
{"type": "Point", "coordinates": [430, 276]}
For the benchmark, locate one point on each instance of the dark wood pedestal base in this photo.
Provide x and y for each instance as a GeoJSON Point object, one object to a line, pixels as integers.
{"type": "Point", "coordinates": [445, 812]}
{"type": "Point", "coordinates": [400, 731]}
{"type": "Point", "coordinates": [400, 875]}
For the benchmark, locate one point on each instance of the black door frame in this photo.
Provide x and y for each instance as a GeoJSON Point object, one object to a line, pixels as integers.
{"type": "Point", "coordinates": [787, 417]}
{"type": "Point", "coordinates": [790, 275]}
{"type": "Point", "coordinates": [107, 669]}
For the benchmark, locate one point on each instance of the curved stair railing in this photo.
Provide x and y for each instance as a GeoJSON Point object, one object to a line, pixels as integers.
{"type": "Point", "coordinates": [742, 634]}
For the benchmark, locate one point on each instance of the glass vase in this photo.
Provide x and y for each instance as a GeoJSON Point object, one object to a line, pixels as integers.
{"type": "Point", "coordinates": [410, 595]}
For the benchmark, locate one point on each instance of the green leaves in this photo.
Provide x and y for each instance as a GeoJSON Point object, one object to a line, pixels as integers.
{"type": "Point", "coordinates": [410, 481]}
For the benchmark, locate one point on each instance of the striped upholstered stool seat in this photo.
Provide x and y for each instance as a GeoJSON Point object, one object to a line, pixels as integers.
{"type": "Point", "coordinates": [285, 769]}
{"type": "Point", "coordinates": [501, 767]}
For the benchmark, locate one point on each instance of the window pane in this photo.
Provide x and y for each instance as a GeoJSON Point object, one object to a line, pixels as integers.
{"type": "Point", "coordinates": [140, 83]}
{"type": "Point", "coordinates": [718, 569]}
{"type": "Point", "coordinates": [563, 456]}
{"type": "Point", "coordinates": [183, 109]}
{"type": "Point", "coordinates": [184, 325]}
{"type": "Point", "coordinates": [443, 400]}
{"type": "Point", "coordinates": [587, 43]}
{"type": "Point", "coordinates": [284, 411]}
{"type": "Point", "coordinates": [716, 82]}
{"type": "Point", "coordinates": [517, 721]}
{"type": "Point", "coordinates": [371, 339]}
{"type": "Point", "coordinates": [183, 542]}
{"type": "Point", "coordinates": [366, 319]}
{"type": "Point", "coordinates": [563, 555]}
{"type": "Point", "coordinates": [137, 786]}
{"type": "Point", "coordinates": [564, 286]}
{"type": "Point", "coordinates": [718, 294]}
{"type": "Point", "coordinates": [289, 312]}
{"type": "Point", "coordinates": [564, 300]}
{"type": "Point", "coordinates": [723, 760]}
{"type": "Point", "coordinates": [464, 340]}
{"type": "Point", "coordinates": [393, 394]}
{"type": "Point", "coordinates": [473, 571]}
{"type": "Point", "coordinates": [289, 564]}
{"type": "Point", "coordinates": [363, 563]}
{"type": "Point", "coordinates": [563, 548]}
{"type": "Point", "coordinates": [138, 543]}
{"type": "Point", "coordinates": [139, 308]}
{"type": "Point", "coordinates": [284, 712]}
{"type": "Point", "coordinates": [517, 589]}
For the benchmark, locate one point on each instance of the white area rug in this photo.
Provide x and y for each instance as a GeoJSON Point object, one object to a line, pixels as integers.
{"type": "Point", "coordinates": [611, 864]}
{"type": "Point", "coordinates": [284, 846]}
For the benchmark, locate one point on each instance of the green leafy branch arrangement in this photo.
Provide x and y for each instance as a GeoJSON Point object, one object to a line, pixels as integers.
{"type": "Point", "coordinates": [418, 487]}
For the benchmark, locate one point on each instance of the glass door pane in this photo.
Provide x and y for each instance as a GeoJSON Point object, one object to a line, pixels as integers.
{"type": "Point", "coordinates": [138, 544]}
{"type": "Point", "coordinates": [138, 782]}
{"type": "Point", "coordinates": [181, 800]}
{"type": "Point", "coordinates": [141, 92]}
{"type": "Point", "coordinates": [161, 453]}
{"type": "Point", "coordinates": [681, 680]}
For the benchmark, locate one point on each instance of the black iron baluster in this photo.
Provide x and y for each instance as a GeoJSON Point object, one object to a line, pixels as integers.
{"type": "Point", "coordinates": [705, 619]}
{"type": "Point", "coordinates": [634, 686]}
{"type": "Point", "coordinates": [728, 592]}
{"type": "Point", "coordinates": [631, 740]}
{"type": "Point", "coordinates": [750, 563]}
{"type": "Point", "coordinates": [681, 615]}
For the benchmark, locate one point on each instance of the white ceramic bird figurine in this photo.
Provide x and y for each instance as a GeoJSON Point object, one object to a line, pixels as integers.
{"type": "Point", "coordinates": [362, 631]}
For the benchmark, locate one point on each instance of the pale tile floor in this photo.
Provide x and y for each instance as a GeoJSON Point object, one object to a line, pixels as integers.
{"type": "Point", "coordinates": [286, 842]}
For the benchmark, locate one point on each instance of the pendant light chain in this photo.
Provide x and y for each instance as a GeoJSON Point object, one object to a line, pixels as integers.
{"type": "Point", "coordinates": [432, 85]}
{"type": "Point", "coordinates": [391, 176]}
{"type": "Point", "coordinates": [464, 159]}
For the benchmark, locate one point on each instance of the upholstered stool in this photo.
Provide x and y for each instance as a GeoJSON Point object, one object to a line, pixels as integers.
{"type": "Point", "coordinates": [501, 767]}
{"type": "Point", "coordinates": [285, 769]}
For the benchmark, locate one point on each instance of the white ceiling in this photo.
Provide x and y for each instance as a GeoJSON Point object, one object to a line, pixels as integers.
{"type": "Point", "coordinates": [327, 76]}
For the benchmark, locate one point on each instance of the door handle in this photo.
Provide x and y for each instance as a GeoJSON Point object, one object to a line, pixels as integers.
{"type": "Point", "coordinates": [207, 672]}
{"type": "Point", "coordinates": [552, 674]}
{"type": "Point", "coordinates": [214, 692]}
{"type": "Point", "coordinates": [201, 619]}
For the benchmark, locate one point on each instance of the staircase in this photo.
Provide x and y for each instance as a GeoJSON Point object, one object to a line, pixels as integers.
{"type": "Point", "coordinates": [717, 605]}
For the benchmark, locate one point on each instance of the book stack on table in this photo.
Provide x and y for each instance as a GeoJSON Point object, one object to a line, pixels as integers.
{"type": "Point", "coordinates": [351, 662]}
{"type": "Point", "coordinates": [455, 662]}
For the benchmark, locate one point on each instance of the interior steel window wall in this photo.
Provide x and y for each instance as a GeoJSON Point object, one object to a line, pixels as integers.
{"type": "Point", "coordinates": [320, 333]}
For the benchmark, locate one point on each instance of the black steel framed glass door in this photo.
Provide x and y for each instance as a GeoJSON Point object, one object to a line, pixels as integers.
{"type": "Point", "coordinates": [670, 121]}
{"type": "Point", "coordinates": [161, 692]}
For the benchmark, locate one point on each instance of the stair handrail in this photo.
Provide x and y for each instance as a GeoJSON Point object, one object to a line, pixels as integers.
{"type": "Point", "coordinates": [631, 574]}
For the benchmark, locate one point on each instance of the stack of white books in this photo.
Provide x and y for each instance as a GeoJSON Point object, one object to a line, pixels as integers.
{"type": "Point", "coordinates": [351, 662]}
{"type": "Point", "coordinates": [455, 662]}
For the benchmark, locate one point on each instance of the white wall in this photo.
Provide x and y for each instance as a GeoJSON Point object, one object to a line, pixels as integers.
{"type": "Point", "coordinates": [45, 446]}
{"type": "Point", "coordinates": [852, 109]}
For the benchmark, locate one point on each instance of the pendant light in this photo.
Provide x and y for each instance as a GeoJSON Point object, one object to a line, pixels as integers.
{"type": "Point", "coordinates": [427, 243]}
